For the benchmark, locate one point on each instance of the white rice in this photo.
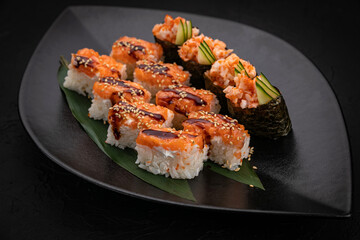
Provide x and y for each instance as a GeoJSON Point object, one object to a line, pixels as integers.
{"type": "Point", "coordinates": [99, 108]}
{"type": "Point", "coordinates": [127, 137]}
{"type": "Point", "coordinates": [79, 81]}
{"type": "Point", "coordinates": [183, 165]}
{"type": "Point", "coordinates": [215, 106]}
{"type": "Point", "coordinates": [224, 154]}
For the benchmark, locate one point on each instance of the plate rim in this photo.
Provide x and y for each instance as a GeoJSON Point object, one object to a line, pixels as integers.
{"type": "Point", "coordinates": [34, 138]}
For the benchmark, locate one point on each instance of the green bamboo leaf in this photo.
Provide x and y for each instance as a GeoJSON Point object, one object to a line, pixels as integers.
{"type": "Point", "coordinates": [246, 174]}
{"type": "Point", "coordinates": [126, 158]}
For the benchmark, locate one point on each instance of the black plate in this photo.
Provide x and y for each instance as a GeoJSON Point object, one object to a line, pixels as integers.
{"type": "Point", "coordinates": [306, 173]}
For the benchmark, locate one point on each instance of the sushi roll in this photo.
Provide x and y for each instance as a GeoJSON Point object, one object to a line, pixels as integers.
{"type": "Point", "coordinates": [127, 119]}
{"type": "Point", "coordinates": [171, 34]}
{"type": "Point", "coordinates": [222, 74]}
{"type": "Point", "coordinates": [197, 55]}
{"type": "Point", "coordinates": [87, 66]}
{"type": "Point", "coordinates": [109, 90]}
{"type": "Point", "coordinates": [259, 106]}
{"type": "Point", "coordinates": [128, 50]}
{"type": "Point", "coordinates": [155, 76]}
{"type": "Point", "coordinates": [172, 153]}
{"type": "Point", "coordinates": [183, 100]}
{"type": "Point", "coordinates": [228, 140]}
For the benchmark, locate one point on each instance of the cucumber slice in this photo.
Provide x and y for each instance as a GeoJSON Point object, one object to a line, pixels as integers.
{"type": "Point", "coordinates": [185, 30]}
{"type": "Point", "coordinates": [208, 50]}
{"type": "Point", "coordinates": [180, 34]}
{"type": "Point", "coordinates": [266, 89]}
{"type": "Point", "coordinates": [189, 31]}
{"type": "Point", "coordinates": [239, 67]}
{"type": "Point", "coordinates": [202, 57]}
{"type": "Point", "coordinates": [263, 97]}
{"type": "Point", "coordinates": [268, 84]}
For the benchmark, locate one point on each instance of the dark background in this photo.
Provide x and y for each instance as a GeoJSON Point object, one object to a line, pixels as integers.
{"type": "Point", "coordinates": [40, 200]}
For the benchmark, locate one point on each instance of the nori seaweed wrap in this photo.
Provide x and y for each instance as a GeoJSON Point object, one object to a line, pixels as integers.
{"type": "Point", "coordinates": [197, 71]}
{"type": "Point", "coordinates": [259, 106]}
{"type": "Point", "coordinates": [269, 120]}
{"type": "Point", "coordinates": [170, 51]}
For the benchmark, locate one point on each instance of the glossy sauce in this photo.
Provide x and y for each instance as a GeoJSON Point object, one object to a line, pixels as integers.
{"type": "Point", "coordinates": [164, 134]}
{"type": "Point", "coordinates": [197, 100]}
{"type": "Point", "coordinates": [155, 68]}
{"type": "Point", "coordinates": [133, 48]}
{"type": "Point", "coordinates": [115, 119]}
{"type": "Point", "coordinates": [81, 60]}
{"type": "Point", "coordinates": [121, 83]}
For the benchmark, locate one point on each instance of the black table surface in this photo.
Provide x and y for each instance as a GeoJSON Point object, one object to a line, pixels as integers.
{"type": "Point", "coordinates": [41, 200]}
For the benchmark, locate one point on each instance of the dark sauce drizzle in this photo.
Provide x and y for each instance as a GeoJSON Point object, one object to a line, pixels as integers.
{"type": "Point", "coordinates": [121, 83]}
{"type": "Point", "coordinates": [160, 134]}
{"type": "Point", "coordinates": [81, 60]}
{"type": "Point", "coordinates": [226, 119]}
{"type": "Point", "coordinates": [163, 134]}
{"type": "Point", "coordinates": [196, 121]}
{"type": "Point", "coordinates": [155, 68]}
{"type": "Point", "coordinates": [197, 100]}
{"type": "Point", "coordinates": [133, 48]}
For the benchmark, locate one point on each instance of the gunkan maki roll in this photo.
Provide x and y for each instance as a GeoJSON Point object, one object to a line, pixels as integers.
{"type": "Point", "coordinates": [222, 74]}
{"type": "Point", "coordinates": [198, 54]}
{"type": "Point", "coordinates": [171, 34]}
{"type": "Point", "coordinates": [259, 106]}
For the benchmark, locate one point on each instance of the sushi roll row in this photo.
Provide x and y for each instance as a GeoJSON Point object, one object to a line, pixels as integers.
{"type": "Point", "coordinates": [152, 96]}
{"type": "Point", "coordinates": [246, 96]}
